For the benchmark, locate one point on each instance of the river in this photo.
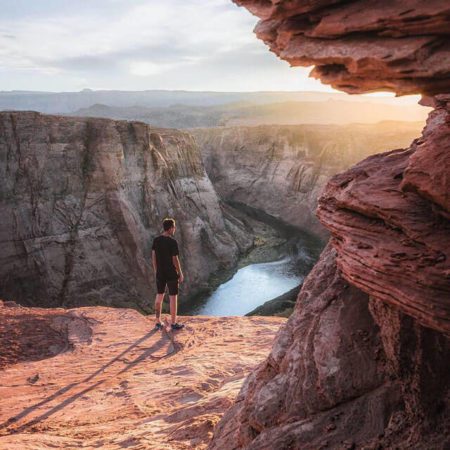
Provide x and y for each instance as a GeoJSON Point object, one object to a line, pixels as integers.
{"type": "Point", "coordinates": [266, 273]}
{"type": "Point", "coordinates": [250, 287]}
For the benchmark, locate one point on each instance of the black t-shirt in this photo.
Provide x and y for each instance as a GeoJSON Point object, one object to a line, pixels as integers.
{"type": "Point", "coordinates": [165, 247]}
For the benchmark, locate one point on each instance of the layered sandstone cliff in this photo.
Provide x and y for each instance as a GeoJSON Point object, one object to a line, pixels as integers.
{"type": "Point", "coordinates": [345, 372]}
{"type": "Point", "coordinates": [283, 169]}
{"type": "Point", "coordinates": [364, 360]}
{"type": "Point", "coordinates": [82, 199]}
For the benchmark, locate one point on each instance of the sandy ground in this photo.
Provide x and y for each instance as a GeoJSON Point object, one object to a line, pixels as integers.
{"type": "Point", "coordinates": [103, 378]}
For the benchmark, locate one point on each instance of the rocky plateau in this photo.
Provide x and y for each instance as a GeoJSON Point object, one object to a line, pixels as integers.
{"type": "Point", "coordinates": [98, 377]}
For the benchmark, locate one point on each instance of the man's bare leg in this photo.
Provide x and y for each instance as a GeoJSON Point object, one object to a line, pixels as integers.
{"type": "Point", "coordinates": [173, 307]}
{"type": "Point", "coordinates": [158, 306]}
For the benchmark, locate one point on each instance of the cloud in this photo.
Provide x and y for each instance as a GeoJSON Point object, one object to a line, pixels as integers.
{"type": "Point", "coordinates": [146, 68]}
{"type": "Point", "coordinates": [124, 44]}
{"type": "Point", "coordinates": [194, 26]}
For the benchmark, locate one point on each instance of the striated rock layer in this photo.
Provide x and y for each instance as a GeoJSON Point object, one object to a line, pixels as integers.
{"type": "Point", "coordinates": [82, 199]}
{"type": "Point", "coordinates": [388, 216]}
{"type": "Point", "coordinates": [283, 169]}
{"type": "Point", "coordinates": [102, 378]}
{"type": "Point", "coordinates": [364, 45]}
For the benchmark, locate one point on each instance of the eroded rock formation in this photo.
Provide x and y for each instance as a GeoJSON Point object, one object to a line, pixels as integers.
{"type": "Point", "coordinates": [360, 46]}
{"type": "Point", "coordinates": [283, 169]}
{"type": "Point", "coordinates": [82, 199]}
{"type": "Point", "coordinates": [385, 274]}
{"type": "Point", "coordinates": [101, 378]}
{"type": "Point", "coordinates": [388, 216]}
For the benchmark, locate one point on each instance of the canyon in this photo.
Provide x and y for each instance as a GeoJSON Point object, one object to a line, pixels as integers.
{"type": "Point", "coordinates": [282, 170]}
{"type": "Point", "coordinates": [82, 199]}
{"type": "Point", "coordinates": [363, 362]}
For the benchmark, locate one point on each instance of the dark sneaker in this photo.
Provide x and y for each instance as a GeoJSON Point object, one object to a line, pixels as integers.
{"type": "Point", "coordinates": [177, 326]}
{"type": "Point", "coordinates": [159, 326]}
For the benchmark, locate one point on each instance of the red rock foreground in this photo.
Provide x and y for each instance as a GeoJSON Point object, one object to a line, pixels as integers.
{"type": "Point", "coordinates": [102, 378]}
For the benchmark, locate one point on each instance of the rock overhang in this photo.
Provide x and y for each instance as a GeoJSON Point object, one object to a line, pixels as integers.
{"type": "Point", "coordinates": [361, 46]}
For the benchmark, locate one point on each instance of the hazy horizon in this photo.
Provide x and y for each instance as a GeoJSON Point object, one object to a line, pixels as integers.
{"type": "Point", "coordinates": [381, 94]}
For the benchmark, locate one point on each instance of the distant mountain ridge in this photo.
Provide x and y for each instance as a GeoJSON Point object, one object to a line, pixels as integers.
{"type": "Point", "coordinates": [68, 102]}
{"type": "Point", "coordinates": [331, 111]}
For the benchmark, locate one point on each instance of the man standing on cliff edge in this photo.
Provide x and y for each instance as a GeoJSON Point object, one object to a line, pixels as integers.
{"type": "Point", "coordinates": [166, 265]}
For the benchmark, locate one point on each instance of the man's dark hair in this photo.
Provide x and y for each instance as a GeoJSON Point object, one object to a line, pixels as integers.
{"type": "Point", "coordinates": [168, 224]}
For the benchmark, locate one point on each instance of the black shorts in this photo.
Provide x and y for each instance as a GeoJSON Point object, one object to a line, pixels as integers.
{"type": "Point", "coordinates": [171, 284]}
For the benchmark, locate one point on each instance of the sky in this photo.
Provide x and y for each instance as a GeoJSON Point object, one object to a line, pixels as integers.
{"type": "Point", "coordinates": [70, 45]}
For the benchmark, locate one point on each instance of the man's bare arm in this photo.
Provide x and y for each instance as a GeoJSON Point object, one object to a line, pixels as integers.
{"type": "Point", "coordinates": [176, 263]}
{"type": "Point", "coordinates": [154, 260]}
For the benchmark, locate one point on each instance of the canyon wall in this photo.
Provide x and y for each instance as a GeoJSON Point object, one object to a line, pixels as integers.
{"type": "Point", "coordinates": [82, 199]}
{"type": "Point", "coordinates": [283, 169]}
{"type": "Point", "coordinates": [364, 360]}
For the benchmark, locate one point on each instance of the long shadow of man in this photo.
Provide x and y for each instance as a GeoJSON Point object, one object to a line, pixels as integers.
{"type": "Point", "coordinates": [147, 353]}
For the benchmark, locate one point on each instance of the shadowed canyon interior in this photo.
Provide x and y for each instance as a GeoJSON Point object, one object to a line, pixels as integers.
{"type": "Point", "coordinates": [363, 360]}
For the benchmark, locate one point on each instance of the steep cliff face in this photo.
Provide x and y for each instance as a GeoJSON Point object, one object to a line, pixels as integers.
{"type": "Point", "coordinates": [82, 199]}
{"type": "Point", "coordinates": [364, 361]}
{"type": "Point", "coordinates": [283, 169]}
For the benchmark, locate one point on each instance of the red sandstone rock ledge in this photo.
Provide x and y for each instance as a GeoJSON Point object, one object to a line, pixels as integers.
{"type": "Point", "coordinates": [361, 46]}
{"type": "Point", "coordinates": [102, 378]}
